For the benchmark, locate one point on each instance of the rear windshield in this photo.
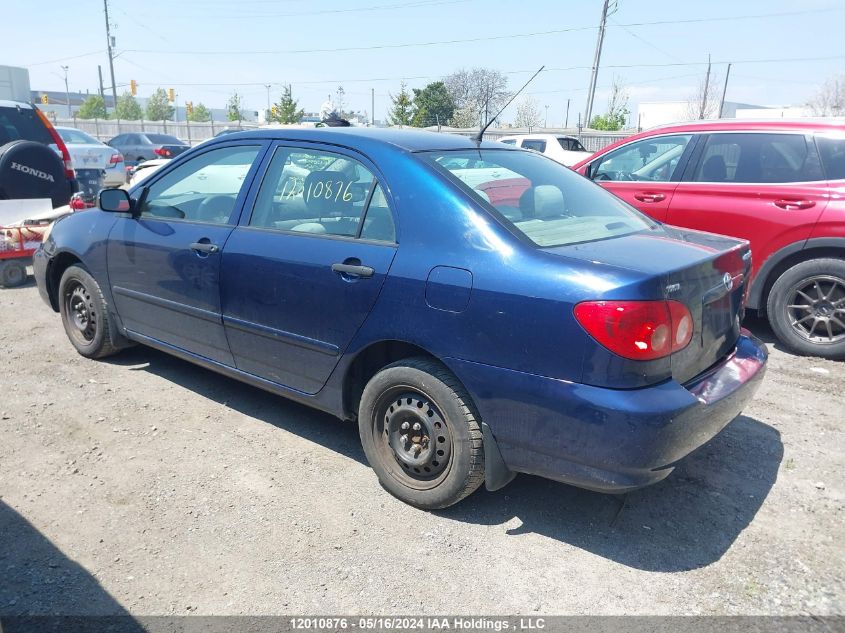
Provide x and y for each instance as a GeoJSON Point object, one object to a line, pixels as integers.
{"type": "Point", "coordinates": [546, 202]}
{"type": "Point", "coordinates": [22, 124]}
{"type": "Point", "coordinates": [571, 144]}
{"type": "Point", "coordinates": [164, 138]}
{"type": "Point", "coordinates": [77, 136]}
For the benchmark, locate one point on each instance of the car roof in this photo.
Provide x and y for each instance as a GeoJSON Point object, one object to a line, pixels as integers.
{"type": "Point", "coordinates": [720, 125]}
{"type": "Point", "coordinates": [404, 139]}
{"type": "Point", "coordinates": [5, 103]}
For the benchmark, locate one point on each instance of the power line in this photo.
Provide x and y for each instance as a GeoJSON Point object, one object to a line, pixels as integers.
{"type": "Point", "coordinates": [383, 7]}
{"type": "Point", "coordinates": [483, 39]}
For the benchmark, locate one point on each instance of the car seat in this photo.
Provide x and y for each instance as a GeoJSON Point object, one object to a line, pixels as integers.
{"type": "Point", "coordinates": [714, 169]}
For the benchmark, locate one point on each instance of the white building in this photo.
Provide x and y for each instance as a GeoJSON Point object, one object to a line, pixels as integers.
{"type": "Point", "coordinates": [654, 113]}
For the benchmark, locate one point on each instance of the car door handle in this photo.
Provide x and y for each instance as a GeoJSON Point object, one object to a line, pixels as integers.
{"type": "Point", "coordinates": [649, 197]}
{"type": "Point", "coordinates": [794, 204]}
{"type": "Point", "coordinates": [204, 247]}
{"type": "Point", "coordinates": [353, 270]}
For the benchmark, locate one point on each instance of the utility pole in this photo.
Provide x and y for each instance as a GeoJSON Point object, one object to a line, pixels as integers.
{"type": "Point", "coordinates": [724, 91]}
{"type": "Point", "coordinates": [109, 45]}
{"type": "Point", "coordinates": [267, 116]}
{"type": "Point", "coordinates": [102, 92]}
{"type": "Point", "coordinates": [373, 98]}
{"type": "Point", "coordinates": [591, 92]}
{"type": "Point", "coordinates": [566, 123]}
{"type": "Point", "coordinates": [703, 109]}
{"type": "Point", "coordinates": [547, 117]}
{"type": "Point", "coordinates": [67, 92]}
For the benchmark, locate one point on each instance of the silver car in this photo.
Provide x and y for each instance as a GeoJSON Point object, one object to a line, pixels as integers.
{"type": "Point", "coordinates": [88, 155]}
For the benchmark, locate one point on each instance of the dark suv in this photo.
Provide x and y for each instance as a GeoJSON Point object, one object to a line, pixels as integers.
{"type": "Point", "coordinates": [34, 161]}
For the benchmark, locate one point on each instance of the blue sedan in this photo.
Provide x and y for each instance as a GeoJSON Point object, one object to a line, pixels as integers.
{"type": "Point", "coordinates": [480, 310]}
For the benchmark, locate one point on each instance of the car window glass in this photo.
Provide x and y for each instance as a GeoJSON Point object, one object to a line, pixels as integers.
{"type": "Point", "coordinates": [131, 139]}
{"type": "Point", "coordinates": [758, 158]}
{"type": "Point", "coordinates": [22, 124]}
{"type": "Point", "coordinates": [311, 191]}
{"type": "Point", "coordinates": [536, 145]}
{"type": "Point", "coordinates": [203, 189]}
{"type": "Point", "coordinates": [570, 144]}
{"type": "Point", "coordinates": [77, 136]}
{"type": "Point", "coordinates": [833, 156]}
{"type": "Point", "coordinates": [378, 222]}
{"type": "Point", "coordinates": [165, 139]}
{"type": "Point", "coordinates": [509, 141]}
{"type": "Point", "coordinates": [652, 159]}
{"type": "Point", "coordinates": [546, 202]}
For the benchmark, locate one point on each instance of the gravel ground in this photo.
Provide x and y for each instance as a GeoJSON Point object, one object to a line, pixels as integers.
{"type": "Point", "coordinates": [146, 485]}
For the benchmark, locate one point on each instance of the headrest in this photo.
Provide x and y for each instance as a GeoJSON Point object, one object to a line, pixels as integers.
{"type": "Point", "coordinates": [548, 201]}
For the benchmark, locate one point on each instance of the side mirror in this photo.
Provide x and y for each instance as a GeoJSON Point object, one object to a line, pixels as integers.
{"type": "Point", "coordinates": [114, 201]}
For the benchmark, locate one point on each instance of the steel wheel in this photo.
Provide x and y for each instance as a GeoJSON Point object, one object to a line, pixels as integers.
{"type": "Point", "coordinates": [79, 307]}
{"type": "Point", "coordinates": [816, 309]}
{"type": "Point", "coordinates": [413, 437]}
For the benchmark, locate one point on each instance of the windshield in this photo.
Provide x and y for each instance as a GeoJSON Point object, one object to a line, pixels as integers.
{"type": "Point", "coordinates": [77, 137]}
{"type": "Point", "coordinates": [546, 202]}
{"type": "Point", "coordinates": [164, 138]}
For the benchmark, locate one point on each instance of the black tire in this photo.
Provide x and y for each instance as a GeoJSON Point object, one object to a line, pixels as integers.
{"type": "Point", "coordinates": [444, 462]}
{"type": "Point", "coordinates": [32, 170]}
{"type": "Point", "coordinates": [806, 308]}
{"type": "Point", "coordinates": [85, 314]}
{"type": "Point", "coordinates": [12, 273]}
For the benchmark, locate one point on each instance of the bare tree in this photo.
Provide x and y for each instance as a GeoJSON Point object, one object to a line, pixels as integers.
{"type": "Point", "coordinates": [528, 113]}
{"type": "Point", "coordinates": [478, 94]}
{"type": "Point", "coordinates": [617, 112]}
{"type": "Point", "coordinates": [829, 100]}
{"type": "Point", "coordinates": [703, 103]}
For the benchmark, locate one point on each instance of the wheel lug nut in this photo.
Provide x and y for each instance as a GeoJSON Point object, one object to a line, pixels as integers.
{"type": "Point", "coordinates": [404, 438]}
{"type": "Point", "coordinates": [405, 426]}
{"type": "Point", "coordinates": [417, 426]}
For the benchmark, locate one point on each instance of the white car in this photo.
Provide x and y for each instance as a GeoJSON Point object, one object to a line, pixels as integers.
{"type": "Point", "coordinates": [566, 150]}
{"type": "Point", "coordinates": [88, 155]}
{"type": "Point", "coordinates": [144, 170]}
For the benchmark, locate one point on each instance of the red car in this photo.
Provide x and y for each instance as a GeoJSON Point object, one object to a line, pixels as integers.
{"type": "Point", "coordinates": [778, 184]}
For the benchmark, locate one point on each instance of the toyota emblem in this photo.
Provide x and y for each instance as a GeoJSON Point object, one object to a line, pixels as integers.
{"type": "Point", "coordinates": [728, 281]}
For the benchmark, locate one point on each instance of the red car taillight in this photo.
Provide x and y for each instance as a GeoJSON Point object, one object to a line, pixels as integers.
{"type": "Point", "coordinates": [57, 140]}
{"type": "Point", "coordinates": [161, 151]}
{"type": "Point", "coordinates": [639, 330]}
{"type": "Point", "coordinates": [116, 158]}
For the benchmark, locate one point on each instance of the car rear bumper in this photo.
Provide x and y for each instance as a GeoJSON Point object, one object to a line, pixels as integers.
{"type": "Point", "coordinates": [610, 440]}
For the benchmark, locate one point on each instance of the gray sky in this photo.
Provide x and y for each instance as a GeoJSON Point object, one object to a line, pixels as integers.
{"type": "Point", "coordinates": [206, 49]}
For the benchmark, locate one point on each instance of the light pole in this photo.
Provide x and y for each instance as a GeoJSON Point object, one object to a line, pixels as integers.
{"type": "Point", "coordinates": [267, 116]}
{"type": "Point", "coordinates": [547, 117]}
{"type": "Point", "coordinates": [67, 92]}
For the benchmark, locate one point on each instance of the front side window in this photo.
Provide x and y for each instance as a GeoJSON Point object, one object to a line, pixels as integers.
{"type": "Point", "coordinates": [832, 150]}
{"type": "Point", "coordinates": [534, 144]}
{"type": "Point", "coordinates": [311, 191]}
{"type": "Point", "coordinates": [651, 159]}
{"type": "Point", "coordinates": [203, 189]}
{"type": "Point", "coordinates": [758, 158]}
{"type": "Point", "coordinates": [544, 201]}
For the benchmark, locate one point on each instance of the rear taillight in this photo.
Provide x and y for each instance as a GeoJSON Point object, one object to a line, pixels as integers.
{"type": "Point", "coordinates": [59, 143]}
{"type": "Point", "coordinates": [116, 158]}
{"type": "Point", "coordinates": [639, 330]}
{"type": "Point", "coordinates": [162, 151]}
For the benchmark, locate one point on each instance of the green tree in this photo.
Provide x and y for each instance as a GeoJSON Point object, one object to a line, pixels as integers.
{"type": "Point", "coordinates": [433, 105]}
{"type": "Point", "coordinates": [617, 110]}
{"type": "Point", "coordinates": [401, 112]}
{"type": "Point", "coordinates": [200, 114]}
{"type": "Point", "coordinates": [92, 108]}
{"type": "Point", "coordinates": [286, 110]}
{"type": "Point", "coordinates": [158, 107]}
{"type": "Point", "coordinates": [128, 108]}
{"type": "Point", "coordinates": [234, 108]}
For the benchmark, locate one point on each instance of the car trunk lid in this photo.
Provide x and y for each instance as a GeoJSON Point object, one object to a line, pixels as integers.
{"type": "Point", "coordinates": [707, 273]}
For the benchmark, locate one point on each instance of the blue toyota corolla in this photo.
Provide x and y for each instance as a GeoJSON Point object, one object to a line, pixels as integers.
{"type": "Point", "coordinates": [480, 310]}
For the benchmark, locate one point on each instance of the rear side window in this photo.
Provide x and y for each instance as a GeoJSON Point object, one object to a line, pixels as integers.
{"type": "Point", "coordinates": [571, 145]}
{"type": "Point", "coordinates": [311, 191]}
{"type": "Point", "coordinates": [654, 159]}
{"type": "Point", "coordinates": [509, 141]}
{"type": "Point", "coordinates": [758, 158]}
{"type": "Point", "coordinates": [536, 145]}
{"type": "Point", "coordinates": [22, 125]}
{"type": "Point", "coordinates": [833, 156]}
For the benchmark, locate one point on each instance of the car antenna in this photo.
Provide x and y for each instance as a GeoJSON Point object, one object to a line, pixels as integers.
{"type": "Point", "coordinates": [479, 137]}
